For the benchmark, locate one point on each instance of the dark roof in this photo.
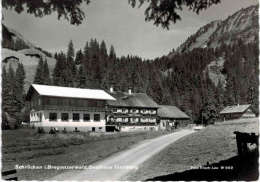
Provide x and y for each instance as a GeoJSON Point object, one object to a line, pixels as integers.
{"type": "Point", "coordinates": [167, 111]}
{"type": "Point", "coordinates": [132, 100]}
{"type": "Point", "coordinates": [235, 109]}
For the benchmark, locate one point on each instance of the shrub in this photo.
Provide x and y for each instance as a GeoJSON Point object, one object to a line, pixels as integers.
{"type": "Point", "coordinates": [52, 131]}
{"type": "Point", "coordinates": [40, 130]}
{"type": "Point", "coordinates": [64, 130]}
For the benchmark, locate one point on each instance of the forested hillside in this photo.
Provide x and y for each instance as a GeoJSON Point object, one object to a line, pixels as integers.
{"type": "Point", "coordinates": [200, 81]}
{"type": "Point", "coordinates": [182, 80]}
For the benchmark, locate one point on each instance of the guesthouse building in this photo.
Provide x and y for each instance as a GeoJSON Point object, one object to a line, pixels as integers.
{"type": "Point", "coordinates": [69, 108]}
{"type": "Point", "coordinates": [171, 117]}
{"type": "Point", "coordinates": [132, 111]}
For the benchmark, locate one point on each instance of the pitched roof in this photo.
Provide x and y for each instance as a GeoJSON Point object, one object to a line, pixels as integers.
{"type": "Point", "coordinates": [57, 91]}
{"type": "Point", "coordinates": [132, 100]}
{"type": "Point", "coordinates": [235, 109]}
{"type": "Point", "coordinates": [167, 111]}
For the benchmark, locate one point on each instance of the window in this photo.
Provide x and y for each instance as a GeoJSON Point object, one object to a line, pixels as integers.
{"type": "Point", "coordinates": [86, 117]}
{"type": "Point", "coordinates": [53, 116]}
{"type": "Point", "coordinates": [96, 117]}
{"type": "Point", "coordinates": [75, 116]}
{"type": "Point", "coordinates": [64, 116]}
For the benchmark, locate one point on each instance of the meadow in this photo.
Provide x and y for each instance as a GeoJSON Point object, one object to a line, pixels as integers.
{"type": "Point", "coordinates": [27, 147]}
{"type": "Point", "coordinates": [213, 144]}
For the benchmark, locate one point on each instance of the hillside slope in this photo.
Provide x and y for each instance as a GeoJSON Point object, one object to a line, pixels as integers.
{"type": "Point", "coordinates": [241, 25]}
{"type": "Point", "coordinates": [29, 61]}
{"type": "Point", "coordinates": [16, 49]}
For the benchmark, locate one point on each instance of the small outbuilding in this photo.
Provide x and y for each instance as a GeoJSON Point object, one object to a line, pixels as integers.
{"type": "Point", "coordinates": [236, 112]}
{"type": "Point", "coordinates": [172, 117]}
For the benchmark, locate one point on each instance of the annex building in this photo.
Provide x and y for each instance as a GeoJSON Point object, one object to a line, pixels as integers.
{"type": "Point", "coordinates": [171, 117]}
{"type": "Point", "coordinates": [236, 112]}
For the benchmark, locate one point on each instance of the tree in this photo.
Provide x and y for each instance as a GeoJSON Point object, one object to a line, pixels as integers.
{"type": "Point", "coordinates": [71, 67]}
{"type": "Point", "coordinates": [162, 12]}
{"type": "Point", "coordinates": [103, 49]}
{"type": "Point", "coordinates": [209, 112]}
{"type": "Point", "coordinates": [70, 10]}
{"type": "Point", "coordinates": [81, 77]}
{"type": "Point", "coordinates": [46, 73]}
{"type": "Point", "coordinates": [19, 91]}
{"type": "Point", "coordinates": [112, 53]}
{"type": "Point", "coordinates": [60, 76]}
{"type": "Point", "coordinates": [71, 51]}
{"type": "Point", "coordinates": [79, 57]}
{"type": "Point", "coordinates": [39, 76]}
{"type": "Point", "coordinates": [10, 95]}
{"type": "Point", "coordinates": [6, 89]}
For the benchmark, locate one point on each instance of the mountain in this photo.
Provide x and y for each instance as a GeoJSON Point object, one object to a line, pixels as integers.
{"type": "Point", "coordinates": [241, 25]}
{"type": "Point", "coordinates": [16, 49]}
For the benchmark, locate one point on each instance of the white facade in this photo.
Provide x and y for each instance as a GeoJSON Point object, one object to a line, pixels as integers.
{"type": "Point", "coordinates": [41, 119]}
{"type": "Point", "coordinates": [138, 128]}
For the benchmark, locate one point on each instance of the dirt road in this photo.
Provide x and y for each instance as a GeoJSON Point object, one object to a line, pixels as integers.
{"type": "Point", "coordinates": [118, 165]}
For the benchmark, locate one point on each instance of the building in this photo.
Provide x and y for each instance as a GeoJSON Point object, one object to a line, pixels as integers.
{"type": "Point", "coordinates": [171, 117]}
{"type": "Point", "coordinates": [70, 108]}
{"type": "Point", "coordinates": [236, 112]}
{"type": "Point", "coordinates": [132, 111]}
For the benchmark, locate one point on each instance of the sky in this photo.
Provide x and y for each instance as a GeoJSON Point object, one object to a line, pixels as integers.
{"type": "Point", "coordinates": [117, 23]}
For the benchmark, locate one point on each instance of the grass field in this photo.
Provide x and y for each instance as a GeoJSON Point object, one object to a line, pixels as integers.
{"type": "Point", "coordinates": [26, 147]}
{"type": "Point", "coordinates": [213, 144]}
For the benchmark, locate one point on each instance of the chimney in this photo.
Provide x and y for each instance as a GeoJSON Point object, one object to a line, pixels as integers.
{"type": "Point", "coordinates": [129, 91]}
{"type": "Point", "coordinates": [111, 89]}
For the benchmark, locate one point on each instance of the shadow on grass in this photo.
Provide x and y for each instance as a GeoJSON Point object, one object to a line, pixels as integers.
{"type": "Point", "coordinates": [236, 168]}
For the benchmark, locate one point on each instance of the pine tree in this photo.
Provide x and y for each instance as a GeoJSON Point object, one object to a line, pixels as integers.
{"type": "Point", "coordinates": [46, 74]}
{"type": "Point", "coordinates": [112, 53]}
{"type": "Point", "coordinates": [19, 91]}
{"type": "Point", "coordinates": [79, 57]}
{"type": "Point", "coordinates": [70, 52]}
{"type": "Point", "coordinates": [60, 76]}
{"type": "Point", "coordinates": [9, 95]}
{"type": "Point", "coordinates": [71, 66]}
{"type": "Point", "coordinates": [39, 76]}
{"type": "Point", "coordinates": [81, 77]}
{"type": "Point", "coordinates": [103, 49]}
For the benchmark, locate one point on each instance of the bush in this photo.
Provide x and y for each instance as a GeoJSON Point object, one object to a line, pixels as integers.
{"type": "Point", "coordinates": [52, 131]}
{"type": "Point", "coordinates": [64, 130]}
{"type": "Point", "coordinates": [40, 130]}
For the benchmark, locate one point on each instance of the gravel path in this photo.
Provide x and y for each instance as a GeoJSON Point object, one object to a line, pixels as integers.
{"type": "Point", "coordinates": [118, 165]}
